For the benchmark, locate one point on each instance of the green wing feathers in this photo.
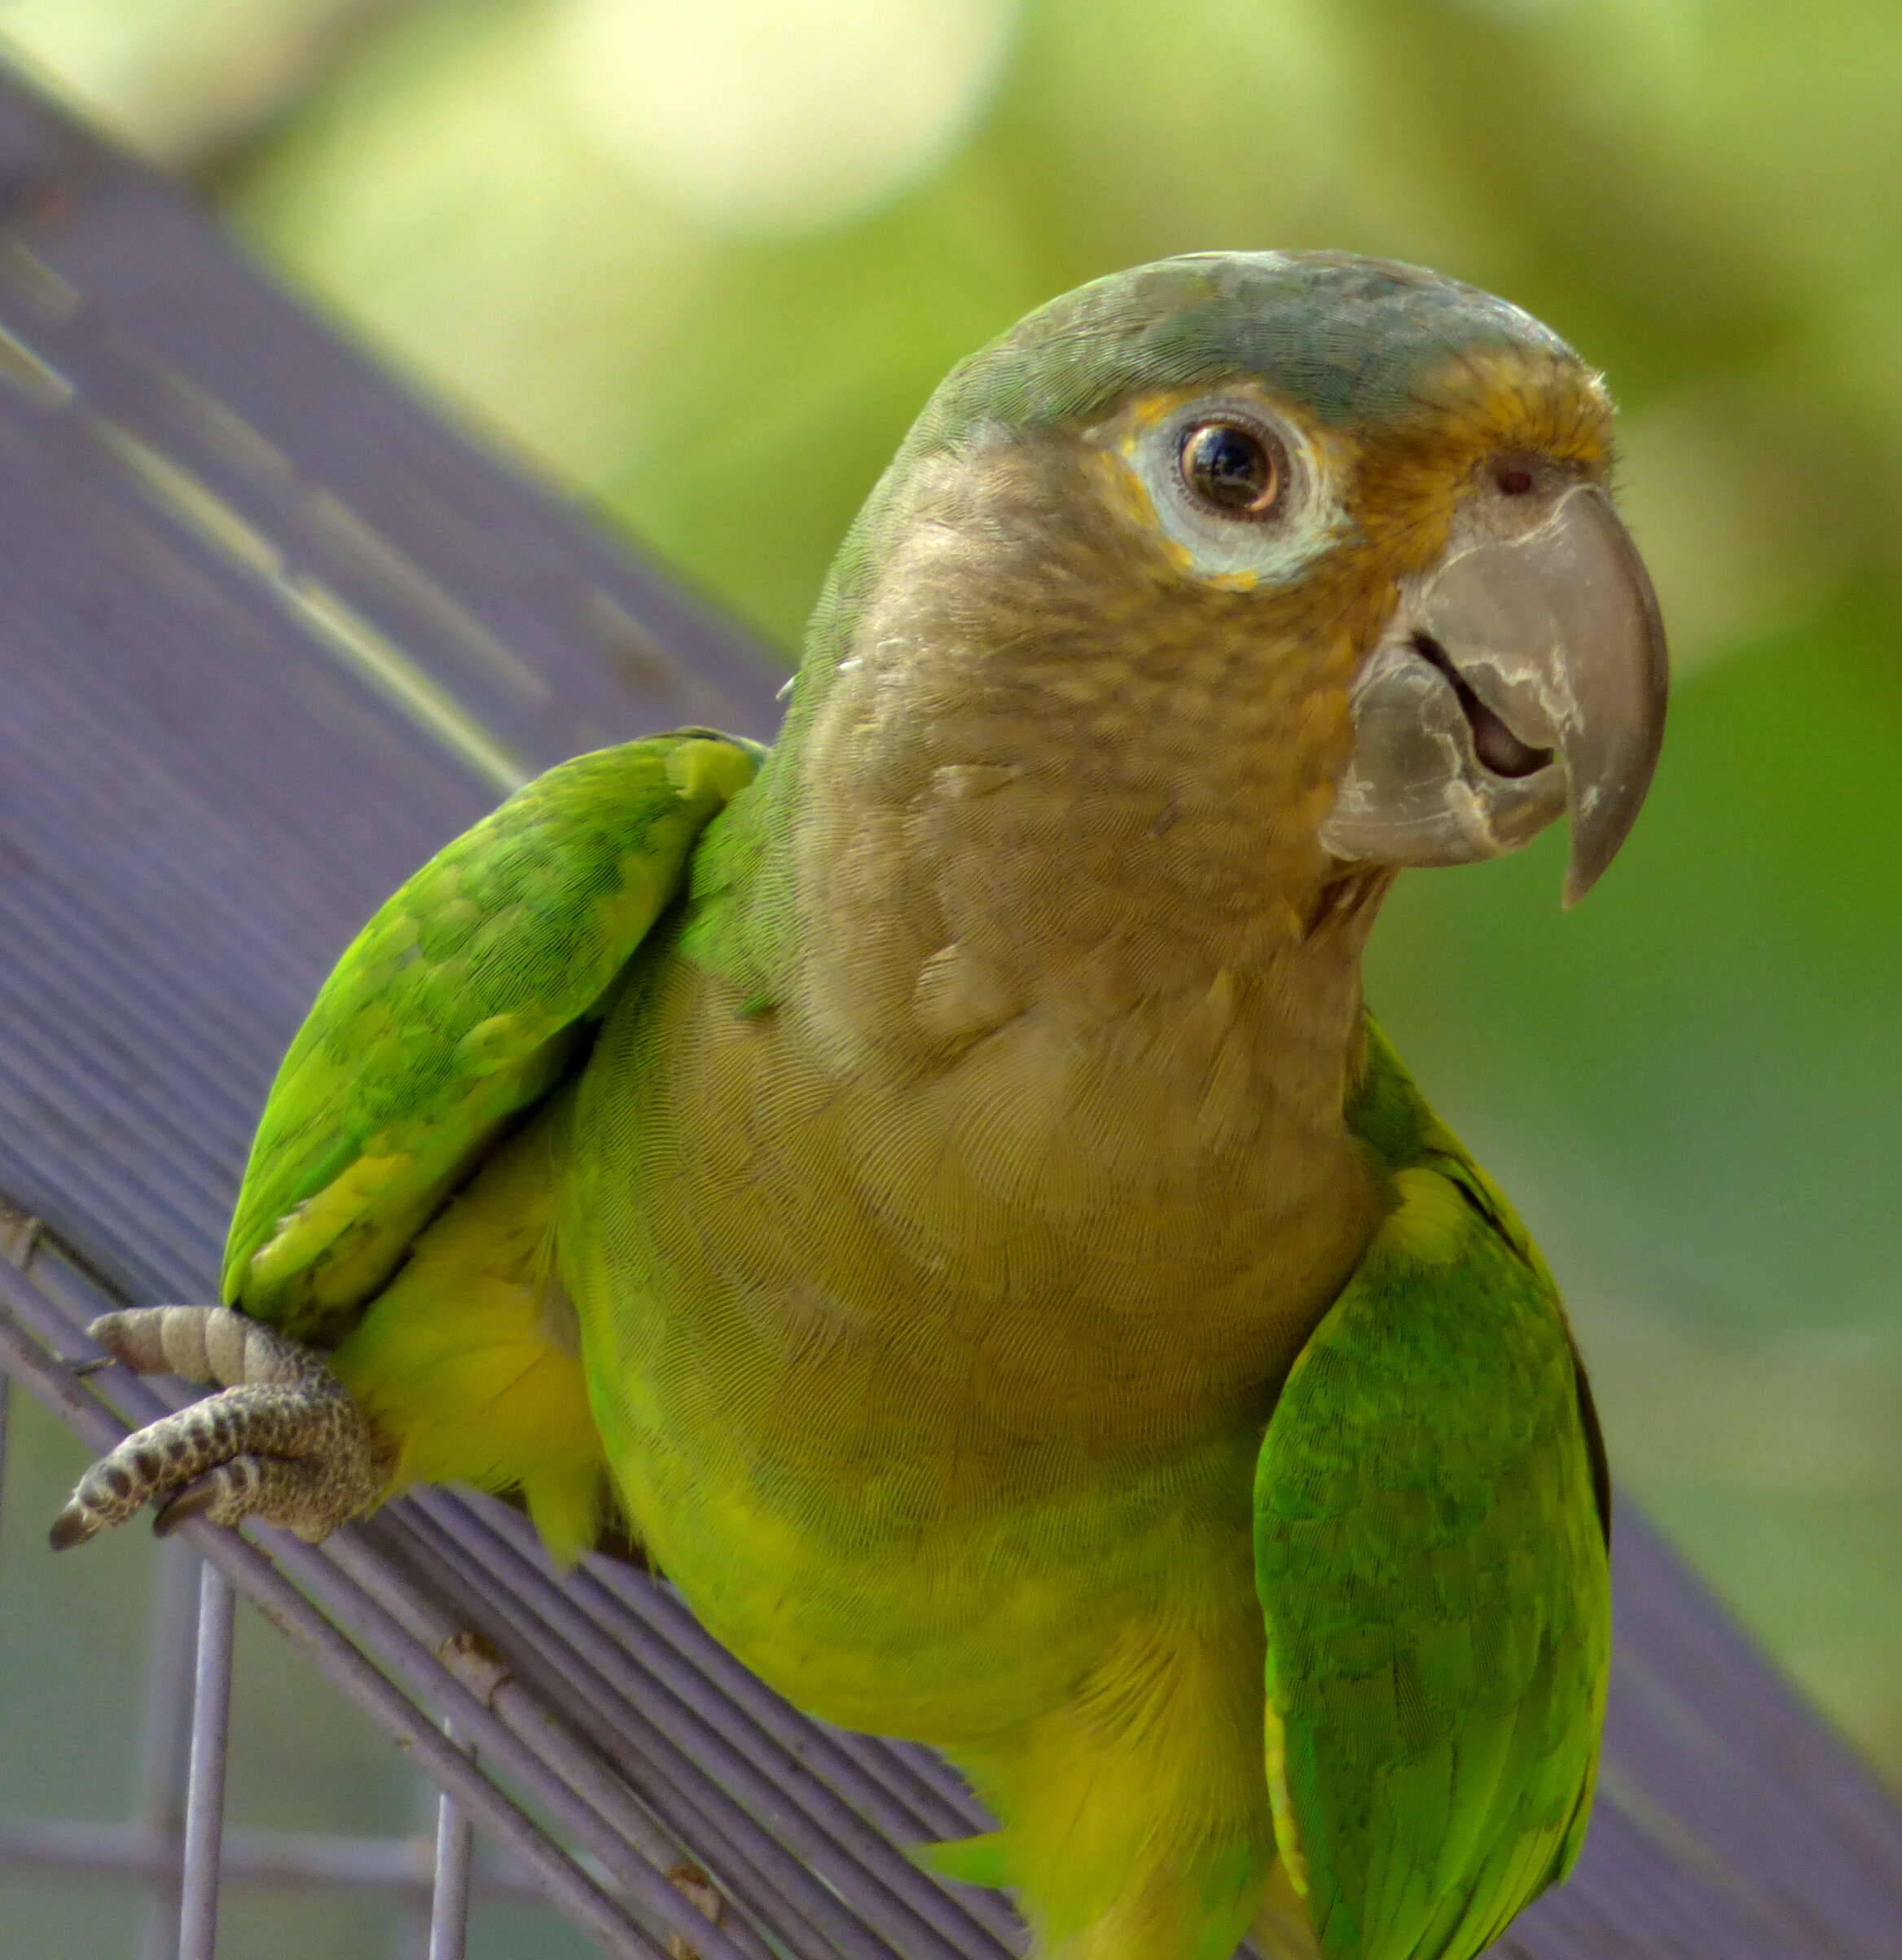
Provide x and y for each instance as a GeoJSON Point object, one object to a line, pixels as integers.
{"type": "Point", "coordinates": [1431, 1554]}
{"type": "Point", "coordinates": [464, 1000]}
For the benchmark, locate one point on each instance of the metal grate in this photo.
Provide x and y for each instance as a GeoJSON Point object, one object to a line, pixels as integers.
{"type": "Point", "coordinates": [620, 1758]}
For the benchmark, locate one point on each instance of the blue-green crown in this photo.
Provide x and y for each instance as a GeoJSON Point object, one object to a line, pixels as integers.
{"type": "Point", "coordinates": [1346, 337]}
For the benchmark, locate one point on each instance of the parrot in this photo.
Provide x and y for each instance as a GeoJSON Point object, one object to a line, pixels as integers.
{"type": "Point", "coordinates": [936, 1184]}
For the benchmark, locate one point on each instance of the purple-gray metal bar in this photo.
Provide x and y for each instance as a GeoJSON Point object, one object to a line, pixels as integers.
{"type": "Point", "coordinates": [750, 1865]}
{"type": "Point", "coordinates": [865, 1770]}
{"type": "Point", "coordinates": [371, 1613]}
{"type": "Point", "coordinates": [929, 1770]}
{"type": "Point", "coordinates": [555, 1875]}
{"type": "Point", "coordinates": [366, 1603]}
{"type": "Point", "coordinates": [449, 1897]}
{"type": "Point", "coordinates": [371, 1604]}
{"type": "Point", "coordinates": [365, 1610]}
{"type": "Point", "coordinates": [362, 1557]}
{"type": "Point", "coordinates": [204, 1787]}
{"type": "Point", "coordinates": [824, 1832]}
{"type": "Point", "coordinates": [362, 1594]}
{"type": "Point", "coordinates": [906, 1790]}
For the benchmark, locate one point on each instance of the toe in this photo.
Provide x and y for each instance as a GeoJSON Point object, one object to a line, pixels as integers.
{"type": "Point", "coordinates": [292, 1447]}
{"type": "Point", "coordinates": [311, 1499]}
{"type": "Point", "coordinates": [226, 1494]}
{"type": "Point", "coordinates": [134, 1336]}
{"type": "Point", "coordinates": [209, 1344]}
{"type": "Point", "coordinates": [115, 1486]}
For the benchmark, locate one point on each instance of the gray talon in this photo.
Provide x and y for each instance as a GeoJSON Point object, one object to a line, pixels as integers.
{"type": "Point", "coordinates": [204, 1496]}
{"type": "Point", "coordinates": [283, 1442]}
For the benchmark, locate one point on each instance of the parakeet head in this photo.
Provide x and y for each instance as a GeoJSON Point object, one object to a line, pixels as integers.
{"type": "Point", "coordinates": [1321, 541]}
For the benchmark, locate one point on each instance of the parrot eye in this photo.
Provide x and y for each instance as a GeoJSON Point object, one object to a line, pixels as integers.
{"type": "Point", "coordinates": [1245, 492]}
{"type": "Point", "coordinates": [1233, 469]}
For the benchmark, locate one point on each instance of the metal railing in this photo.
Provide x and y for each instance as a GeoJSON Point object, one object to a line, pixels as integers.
{"type": "Point", "coordinates": [631, 1773]}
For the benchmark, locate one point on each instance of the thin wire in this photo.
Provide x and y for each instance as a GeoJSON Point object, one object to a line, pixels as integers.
{"type": "Point", "coordinates": [165, 1739]}
{"type": "Point", "coordinates": [363, 1618]}
{"type": "Point", "coordinates": [410, 1937]}
{"type": "Point", "coordinates": [909, 1908]}
{"type": "Point", "coordinates": [553, 1873]}
{"type": "Point", "coordinates": [806, 1921]}
{"type": "Point", "coordinates": [448, 1903]}
{"type": "Point", "coordinates": [276, 1860]}
{"type": "Point", "coordinates": [766, 1748]}
{"type": "Point", "coordinates": [204, 1790]}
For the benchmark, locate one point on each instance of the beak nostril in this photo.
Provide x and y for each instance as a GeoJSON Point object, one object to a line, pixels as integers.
{"type": "Point", "coordinates": [1496, 745]}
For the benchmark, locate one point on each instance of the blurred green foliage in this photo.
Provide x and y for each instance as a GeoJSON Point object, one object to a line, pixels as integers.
{"type": "Point", "coordinates": [706, 263]}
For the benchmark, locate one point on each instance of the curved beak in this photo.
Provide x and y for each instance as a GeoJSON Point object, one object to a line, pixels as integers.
{"type": "Point", "coordinates": [1528, 677]}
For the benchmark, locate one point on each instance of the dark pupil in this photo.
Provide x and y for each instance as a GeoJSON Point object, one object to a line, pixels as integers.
{"type": "Point", "coordinates": [1229, 467]}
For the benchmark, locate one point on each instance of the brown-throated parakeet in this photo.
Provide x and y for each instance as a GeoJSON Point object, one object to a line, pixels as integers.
{"type": "Point", "coordinates": [938, 1180]}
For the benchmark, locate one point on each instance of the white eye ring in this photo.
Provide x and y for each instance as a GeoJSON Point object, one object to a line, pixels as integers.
{"type": "Point", "coordinates": [1262, 538]}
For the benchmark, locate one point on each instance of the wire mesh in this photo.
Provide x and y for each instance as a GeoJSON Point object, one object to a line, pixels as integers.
{"type": "Point", "coordinates": [628, 1768]}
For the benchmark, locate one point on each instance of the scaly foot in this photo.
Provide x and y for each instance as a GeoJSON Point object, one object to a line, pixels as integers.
{"type": "Point", "coordinates": [284, 1441]}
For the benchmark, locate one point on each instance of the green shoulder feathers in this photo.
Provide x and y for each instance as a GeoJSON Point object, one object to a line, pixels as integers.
{"type": "Point", "coordinates": [1432, 1517]}
{"type": "Point", "coordinates": [456, 1007]}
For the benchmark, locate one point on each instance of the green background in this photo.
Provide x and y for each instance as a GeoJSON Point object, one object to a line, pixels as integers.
{"type": "Point", "coordinates": [702, 263]}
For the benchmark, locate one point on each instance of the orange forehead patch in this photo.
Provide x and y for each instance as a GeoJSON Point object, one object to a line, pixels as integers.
{"type": "Point", "coordinates": [1504, 399]}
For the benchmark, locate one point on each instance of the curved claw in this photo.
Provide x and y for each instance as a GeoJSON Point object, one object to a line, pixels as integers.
{"type": "Point", "coordinates": [197, 1499]}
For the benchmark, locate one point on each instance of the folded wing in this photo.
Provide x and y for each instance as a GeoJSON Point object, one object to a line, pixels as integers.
{"type": "Point", "coordinates": [1431, 1530]}
{"type": "Point", "coordinates": [472, 992]}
